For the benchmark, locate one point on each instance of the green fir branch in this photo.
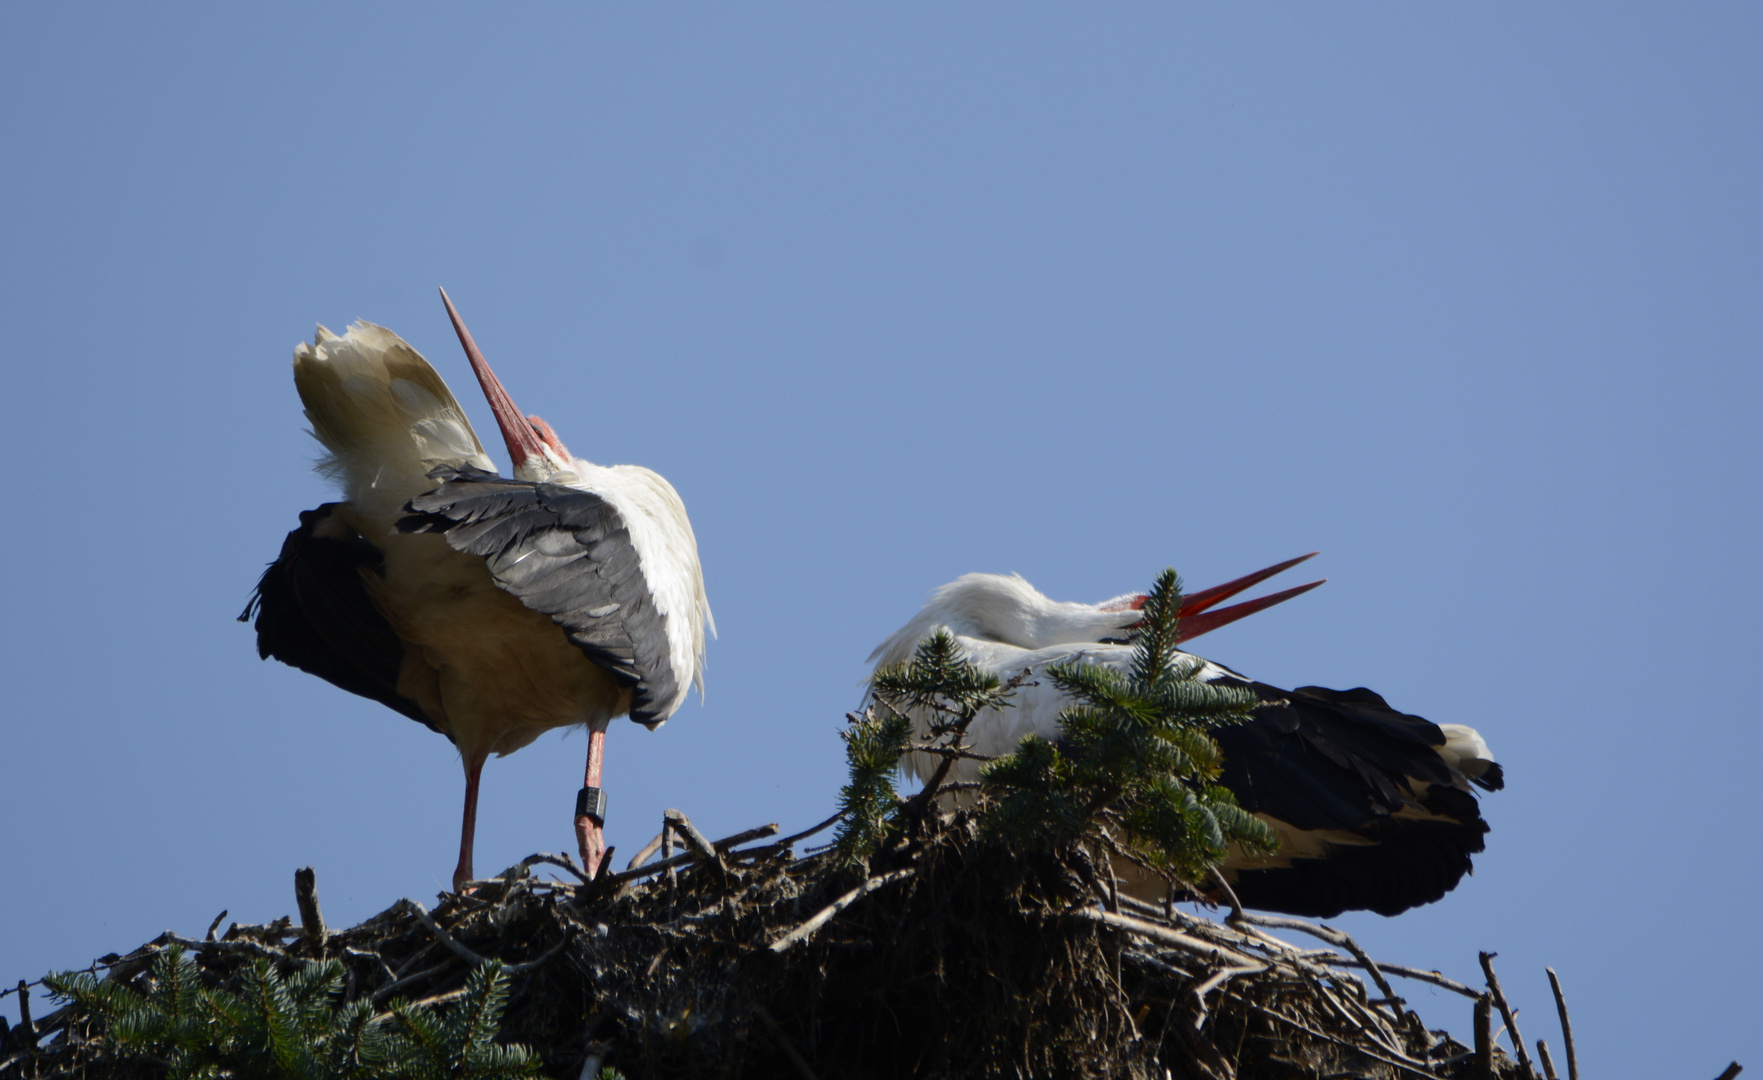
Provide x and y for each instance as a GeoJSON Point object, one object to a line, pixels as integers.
{"type": "Point", "coordinates": [1136, 760]}
{"type": "Point", "coordinates": [295, 1027]}
{"type": "Point", "coordinates": [873, 745]}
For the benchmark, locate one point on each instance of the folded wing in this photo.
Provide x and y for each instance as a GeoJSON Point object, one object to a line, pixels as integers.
{"type": "Point", "coordinates": [566, 553]}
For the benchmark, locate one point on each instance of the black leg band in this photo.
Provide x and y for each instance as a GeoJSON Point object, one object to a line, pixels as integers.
{"type": "Point", "coordinates": [591, 802]}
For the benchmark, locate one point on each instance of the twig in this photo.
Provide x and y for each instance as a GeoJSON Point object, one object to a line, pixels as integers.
{"type": "Point", "coordinates": [215, 925]}
{"type": "Point", "coordinates": [564, 861]}
{"type": "Point", "coordinates": [1547, 1061]}
{"type": "Point", "coordinates": [306, 899]}
{"type": "Point", "coordinates": [684, 827]}
{"type": "Point", "coordinates": [806, 833]}
{"type": "Point", "coordinates": [596, 1055]}
{"type": "Point", "coordinates": [1566, 1024]}
{"type": "Point", "coordinates": [955, 750]}
{"type": "Point", "coordinates": [1484, 1037]}
{"type": "Point", "coordinates": [459, 949]}
{"type": "Point", "coordinates": [1416, 974]}
{"type": "Point", "coordinates": [24, 1014]}
{"type": "Point", "coordinates": [720, 845]}
{"type": "Point", "coordinates": [1236, 906]}
{"type": "Point", "coordinates": [367, 954]}
{"type": "Point", "coordinates": [1330, 935]}
{"type": "Point", "coordinates": [760, 833]}
{"type": "Point", "coordinates": [784, 1043]}
{"type": "Point", "coordinates": [409, 979]}
{"type": "Point", "coordinates": [537, 961]}
{"type": "Point", "coordinates": [649, 849]}
{"type": "Point", "coordinates": [438, 999]}
{"type": "Point", "coordinates": [1214, 981]}
{"type": "Point", "coordinates": [249, 947]}
{"type": "Point", "coordinates": [1363, 1017]}
{"type": "Point", "coordinates": [807, 929]}
{"type": "Point", "coordinates": [1170, 937]}
{"type": "Point", "coordinates": [950, 755]}
{"type": "Point", "coordinates": [1405, 1063]}
{"type": "Point", "coordinates": [1731, 1071]}
{"type": "Point", "coordinates": [1506, 1014]}
{"type": "Point", "coordinates": [465, 953]}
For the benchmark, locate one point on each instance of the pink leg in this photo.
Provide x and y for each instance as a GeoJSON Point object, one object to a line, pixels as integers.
{"type": "Point", "coordinates": [588, 834]}
{"type": "Point", "coordinates": [468, 828]}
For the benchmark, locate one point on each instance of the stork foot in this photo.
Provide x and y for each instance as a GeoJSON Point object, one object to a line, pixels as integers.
{"type": "Point", "coordinates": [592, 842]}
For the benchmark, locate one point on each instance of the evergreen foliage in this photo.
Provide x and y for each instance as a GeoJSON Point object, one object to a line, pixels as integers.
{"type": "Point", "coordinates": [295, 1028]}
{"type": "Point", "coordinates": [1136, 769]}
{"type": "Point", "coordinates": [937, 680]}
{"type": "Point", "coordinates": [873, 745]}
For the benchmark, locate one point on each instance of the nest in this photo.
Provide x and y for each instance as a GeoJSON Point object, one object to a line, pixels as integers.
{"type": "Point", "coordinates": [948, 956]}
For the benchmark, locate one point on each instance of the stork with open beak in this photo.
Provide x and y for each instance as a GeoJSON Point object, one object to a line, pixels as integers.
{"type": "Point", "coordinates": [1374, 808]}
{"type": "Point", "coordinates": [489, 609]}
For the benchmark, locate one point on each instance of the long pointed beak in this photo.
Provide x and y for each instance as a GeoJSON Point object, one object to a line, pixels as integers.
{"type": "Point", "coordinates": [1193, 626]}
{"type": "Point", "coordinates": [1194, 603]}
{"type": "Point", "coordinates": [523, 443]}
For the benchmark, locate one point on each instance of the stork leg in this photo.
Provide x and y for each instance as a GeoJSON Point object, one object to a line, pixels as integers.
{"type": "Point", "coordinates": [468, 827]}
{"type": "Point", "coordinates": [590, 807]}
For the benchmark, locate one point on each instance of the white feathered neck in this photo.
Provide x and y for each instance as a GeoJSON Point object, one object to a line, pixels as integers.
{"type": "Point", "coordinates": [1006, 609]}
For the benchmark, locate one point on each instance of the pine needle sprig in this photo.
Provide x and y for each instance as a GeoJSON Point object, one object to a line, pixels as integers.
{"type": "Point", "coordinates": [1136, 762]}
{"type": "Point", "coordinates": [939, 679]}
{"type": "Point", "coordinates": [937, 682]}
{"type": "Point", "coordinates": [874, 742]}
{"type": "Point", "coordinates": [295, 1027]}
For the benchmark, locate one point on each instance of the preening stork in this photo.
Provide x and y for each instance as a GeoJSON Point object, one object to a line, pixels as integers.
{"type": "Point", "coordinates": [1373, 807]}
{"type": "Point", "coordinates": [489, 609]}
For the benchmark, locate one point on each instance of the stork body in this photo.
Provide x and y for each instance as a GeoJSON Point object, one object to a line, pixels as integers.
{"type": "Point", "coordinates": [490, 609]}
{"type": "Point", "coordinates": [1373, 807]}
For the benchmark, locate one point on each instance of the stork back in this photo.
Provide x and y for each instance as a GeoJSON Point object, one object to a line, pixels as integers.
{"type": "Point", "coordinates": [385, 418]}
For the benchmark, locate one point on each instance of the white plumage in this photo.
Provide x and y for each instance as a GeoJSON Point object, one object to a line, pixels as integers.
{"type": "Point", "coordinates": [492, 610]}
{"type": "Point", "coordinates": [1372, 806]}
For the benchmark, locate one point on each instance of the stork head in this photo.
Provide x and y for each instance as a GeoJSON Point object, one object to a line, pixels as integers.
{"type": "Point", "coordinates": [1007, 609]}
{"type": "Point", "coordinates": [535, 450]}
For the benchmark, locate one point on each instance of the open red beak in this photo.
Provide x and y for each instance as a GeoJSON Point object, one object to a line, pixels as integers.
{"type": "Point", "coordinates": [1197, 620]}
{"type": "Point", "coordinates": [523, 442]}
{"type": "Point", "coordinates": [1194, 625]}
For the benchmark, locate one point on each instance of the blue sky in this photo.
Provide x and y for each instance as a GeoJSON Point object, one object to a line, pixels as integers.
{"type": "Point", "coordinates": [1467, 299]}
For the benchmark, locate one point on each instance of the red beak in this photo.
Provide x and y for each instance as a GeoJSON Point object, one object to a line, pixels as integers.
{"type": "Point", "coordinates": [1195, 625]}
{"type": "Point", "coordinates": [1194, 603]}
{"type": "Point", "coordinates": [1196, 620]}
{"type": "Point", "coordinates": [522, 441]}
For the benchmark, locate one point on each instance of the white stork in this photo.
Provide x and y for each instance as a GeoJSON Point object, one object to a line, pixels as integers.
{"type": "Point", "coordinates": [1373, 807]}
{"type": "Point", "coordinates": [491, 610]}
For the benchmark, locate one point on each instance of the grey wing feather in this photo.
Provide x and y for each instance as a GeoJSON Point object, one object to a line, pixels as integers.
{"type": "Point", "coordinates": [313, 613]}
{"type": "Point", "coordinates": [568, 554]}
{"type": "Point", "coordinates": [1334, 760]}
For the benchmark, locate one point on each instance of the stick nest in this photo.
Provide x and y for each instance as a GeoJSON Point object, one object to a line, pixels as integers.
{"type": "Point", "coordinates": [948, 956]}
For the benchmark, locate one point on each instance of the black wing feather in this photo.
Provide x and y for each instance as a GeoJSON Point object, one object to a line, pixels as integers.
{"type": "Point", "coordinates": [313, 613]}
{"type": "Point", "coordinates": [1343, 760]}
{"type": "Point", "coordinates": [566, 553]}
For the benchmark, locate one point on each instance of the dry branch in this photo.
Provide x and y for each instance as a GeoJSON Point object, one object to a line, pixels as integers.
{"type": "Point", "coordinates": [1566, 1024]}
{"type": "Point", "coordinates": [306, 899]}
{"type": "Point", "coordinates": [1506, 1013]}
{"type": "Point", "coordinates": [820, 919]}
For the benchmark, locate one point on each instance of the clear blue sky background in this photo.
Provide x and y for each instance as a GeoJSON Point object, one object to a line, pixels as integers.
{"type": "Point", "coordinates": [1468, 299]}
